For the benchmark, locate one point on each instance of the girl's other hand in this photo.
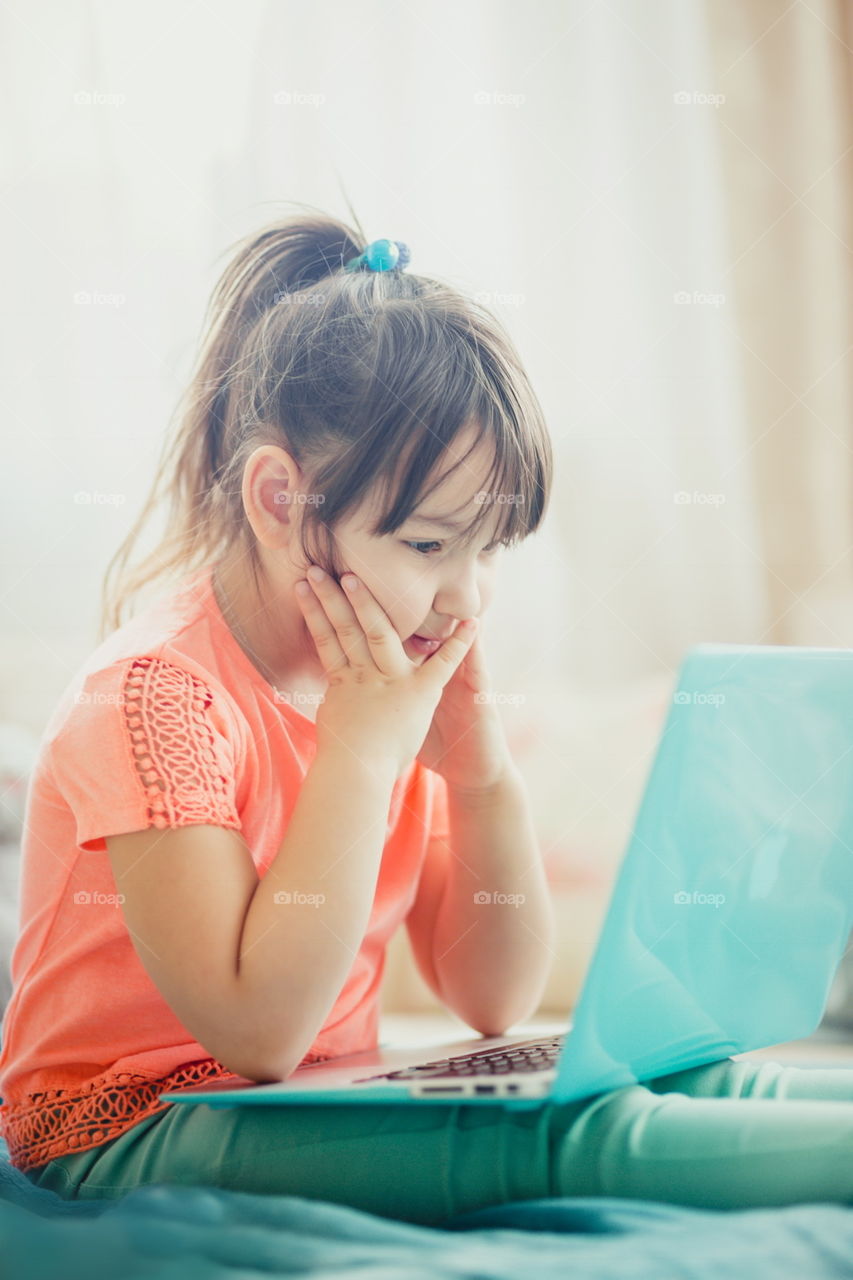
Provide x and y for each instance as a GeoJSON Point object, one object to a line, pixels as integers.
{"type": "Point", "coordinates": [466, 742]}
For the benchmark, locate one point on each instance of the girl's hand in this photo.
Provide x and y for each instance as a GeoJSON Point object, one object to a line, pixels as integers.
{"type": "Point", "coordinates": [379, 703]}
{"type": "Point", "coordinates": [466, 742]}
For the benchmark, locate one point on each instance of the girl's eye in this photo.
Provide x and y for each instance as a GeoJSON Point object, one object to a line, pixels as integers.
{"type": "Point", "coordinates": [490, 550]}
{"type": "Point", "coordinates": [416, 545]}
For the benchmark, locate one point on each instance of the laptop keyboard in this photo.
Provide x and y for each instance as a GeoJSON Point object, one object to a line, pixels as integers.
{"type": "Point", "coordinates": [533, 1055]}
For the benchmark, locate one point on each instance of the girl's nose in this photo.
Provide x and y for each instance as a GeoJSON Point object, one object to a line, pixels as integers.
{"type": "Point", "coordinates": [459, 596]}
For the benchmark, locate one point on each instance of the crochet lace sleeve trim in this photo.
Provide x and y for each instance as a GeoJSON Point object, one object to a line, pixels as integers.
{"type": "Point", "coordinates": [177, 755]}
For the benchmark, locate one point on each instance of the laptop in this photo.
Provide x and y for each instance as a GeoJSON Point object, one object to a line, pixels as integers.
{"type": "Point", "coordinates": [727, 919]}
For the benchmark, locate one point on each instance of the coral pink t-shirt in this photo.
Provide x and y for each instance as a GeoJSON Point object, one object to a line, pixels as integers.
{"type": "Point", "coordinates": [167, 724]}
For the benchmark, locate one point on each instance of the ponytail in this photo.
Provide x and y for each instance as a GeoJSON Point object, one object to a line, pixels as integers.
{"type": "Point", "coordinates": [268, 265]}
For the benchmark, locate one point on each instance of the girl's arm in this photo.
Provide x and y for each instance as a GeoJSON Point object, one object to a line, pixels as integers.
{"type": "Point", "coordinates": [308, 916]}
{"type": "Point", "coordinates": [493, 938]}
{"type": "Point", "coordinates": [253, 967]}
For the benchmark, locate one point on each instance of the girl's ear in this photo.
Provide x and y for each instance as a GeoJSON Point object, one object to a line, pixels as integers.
{"type": "Point", "coordinates": [271, 478]}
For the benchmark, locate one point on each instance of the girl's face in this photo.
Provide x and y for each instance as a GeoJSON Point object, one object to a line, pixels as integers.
{"type": "Point", "coordinates": [421, 575]}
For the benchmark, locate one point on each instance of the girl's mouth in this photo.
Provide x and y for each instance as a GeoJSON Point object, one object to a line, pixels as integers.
{"type": "Point", "coordinates": [425, 647]}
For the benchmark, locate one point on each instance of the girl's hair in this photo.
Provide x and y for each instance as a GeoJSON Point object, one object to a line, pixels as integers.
{"type": "Point", "coordinates": [364, 377]}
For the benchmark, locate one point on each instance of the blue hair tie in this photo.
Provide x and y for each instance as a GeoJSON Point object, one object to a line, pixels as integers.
{"type": "Point", "coordinates": [381, 255]}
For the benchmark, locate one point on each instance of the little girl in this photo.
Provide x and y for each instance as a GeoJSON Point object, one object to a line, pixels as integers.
{"type": "Point", "coordinates": [250, 785]}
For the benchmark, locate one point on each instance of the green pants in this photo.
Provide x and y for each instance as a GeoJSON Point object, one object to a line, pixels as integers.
{"type": "Point", "coordinates": [728, 1135]}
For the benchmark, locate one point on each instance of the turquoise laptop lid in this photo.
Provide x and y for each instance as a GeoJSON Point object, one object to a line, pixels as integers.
{"type": "Point", "coordinates": [733, 904]}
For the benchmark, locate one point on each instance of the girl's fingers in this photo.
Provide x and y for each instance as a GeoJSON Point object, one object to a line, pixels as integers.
{"type": "Point", "coordinates": [384, 645]}
{"type": "Point", "coordinates": [323, 633]}
{"type": "Point", "coordinates": [342, 622]}
{"type": "Point", "coordinates": [445, 660]}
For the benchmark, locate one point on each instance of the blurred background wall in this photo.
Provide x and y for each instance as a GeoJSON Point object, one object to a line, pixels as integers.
{"type": "Point", "coordinates": [655, 197]}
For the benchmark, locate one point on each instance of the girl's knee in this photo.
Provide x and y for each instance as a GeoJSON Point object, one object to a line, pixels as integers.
{"type": "Point", "coordinates": [606, 1114]}
{"type": "Point", "coordinates": [725, 1078]}
{"type": "Point", "coordinates": [582, 1139]}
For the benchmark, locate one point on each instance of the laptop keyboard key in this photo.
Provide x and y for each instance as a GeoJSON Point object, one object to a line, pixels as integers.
{"type": "Point", "coordinates": [524, 1058]}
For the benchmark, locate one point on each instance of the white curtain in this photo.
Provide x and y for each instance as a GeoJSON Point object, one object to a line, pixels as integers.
{"type": "Point", "coordinates": [654, 197]}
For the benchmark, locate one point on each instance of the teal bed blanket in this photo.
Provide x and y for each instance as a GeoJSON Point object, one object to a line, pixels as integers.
{"type": "Point", "coordinates": [185, 1233]}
